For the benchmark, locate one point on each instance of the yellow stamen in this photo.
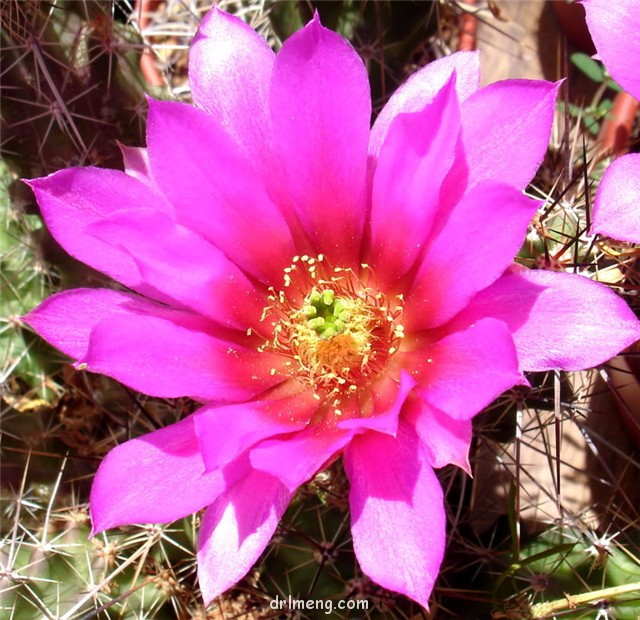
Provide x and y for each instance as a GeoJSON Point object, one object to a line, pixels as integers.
{"type": "Point", "coordinates": [337, 330]}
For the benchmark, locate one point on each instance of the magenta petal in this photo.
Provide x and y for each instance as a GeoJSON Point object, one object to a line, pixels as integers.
{"type": "Point", "coordinates": [236, 529]}
{"type": "Point", "coordinates": [423, 86]}
{"type": "Point", "coordinates": [397, 514]}
{"type": "Point", "coordinates": [214, 189]}
{"type": "Point", "coordinates": [295, 458]}
{"type": "Point", "coordinates": [416, 156]}
{"type": "Point", "coordinates": [321, 108]}
{"type": "Point", "coordinates": [461, 260]}
{"type": "Point", "coordinates": [183, 266]}
{"type": "Point", "coordinates": [226, 432]}
{"type": "Point", "coordinates": [158, 357]}
{"type": "Point", "coordinates": [66, 319]}
{"type": "Point", "coordinates": [462, 373]}
{"type": "Point", "coordinates": [446, 440]}
{"type": "Point", "coordinates": [229, 72]}
{"type": "Point", "coordinates": [614, 29]}
{"type": "Point", "coordinates": [558, 320]}
{"type": "Point", "coordinates": [71, 200]}
{"type": "Point", "coordinates": [506, 128]}
{"type": "Point", "coordinates": [616, 212]}
{"type": "Point", "coordinates": [153, 479]}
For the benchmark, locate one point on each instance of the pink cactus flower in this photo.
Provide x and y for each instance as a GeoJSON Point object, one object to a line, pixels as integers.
{"type": "Point", "coordinates": [614, 29]}
{"type": "Point", "coordinates": [322, 288]}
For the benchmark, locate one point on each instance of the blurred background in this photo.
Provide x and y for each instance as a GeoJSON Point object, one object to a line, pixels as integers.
{"type": "Point", "coordinates": [549, 526]}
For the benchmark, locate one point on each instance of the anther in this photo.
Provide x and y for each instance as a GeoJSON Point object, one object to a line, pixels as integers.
{"type": "Point", "coordinates": [340, 336]}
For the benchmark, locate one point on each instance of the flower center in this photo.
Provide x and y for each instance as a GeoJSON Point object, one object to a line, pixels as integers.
{"type": "Point", "coordinates": [326, 315]}
{"type": "Point", "coordinates": [336, 329]}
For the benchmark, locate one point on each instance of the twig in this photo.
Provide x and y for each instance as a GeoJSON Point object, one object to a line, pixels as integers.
{"type": "Point", "coordinates": [548, 608]}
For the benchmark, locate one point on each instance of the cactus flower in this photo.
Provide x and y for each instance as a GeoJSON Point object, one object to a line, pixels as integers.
{"type": "Point", "coordinates": [321, 287]}
{"type": "Point", "coordinates": [614, 29]}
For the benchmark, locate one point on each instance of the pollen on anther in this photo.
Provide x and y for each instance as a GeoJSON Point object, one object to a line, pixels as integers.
{"type": "Point", "coordinates": [359, 329]}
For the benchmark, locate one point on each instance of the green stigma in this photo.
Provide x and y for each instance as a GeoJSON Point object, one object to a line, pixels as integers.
{"type": "Point", "coordinates": [326, 314]}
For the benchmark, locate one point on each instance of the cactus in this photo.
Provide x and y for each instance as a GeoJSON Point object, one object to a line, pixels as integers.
{"type": "Point", "coordinates": [72, 88]}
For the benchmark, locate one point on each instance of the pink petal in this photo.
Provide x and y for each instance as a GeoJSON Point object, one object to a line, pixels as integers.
{"type": "Point", "coordinates": [73, 199]}
{"type": "Point", "coordinates": [321, 108]}
{"type": "Point", "coordinates": [295, 458]}
{"type": "Point", "coordinates": [214, 189]}
{"type": "Point", "coordinates": [124, 228]}
{"type": "Point", "coordinates": [506, 129]}
{"type": "Point", "coordinates": [229, 71]}
{"type": "Point", "coordinates": [136, 163]}
{"type": "Point", "coordinates": [153, 479]}
{"type": "Point", "coordinates": [66, 319]}
{"type": "Point", "coordinates": [397, 514]}
{"type": "Point", "coordinates": [385, 415]}
{"type": "Point", "coordinates": [158, 357]}
{"type": "Point", "coordinates": [613, 27]}
{"type": "Point", "coordinates": [468, 254]}
{"type": "Point", "coordinates": [182, 266]}
{"type": "Point", "coordinates": [616, 212]}
{"type": "Point", "coordinates": [464, 371]}
{"type": "Point", "coordinates": [236, 529]}
{"type": "Point", "coordinates": [423, 86]}
{"type": "Point", "coordinates": [417, 154]}
{"type": "Point", "coordinates": [226, 432]}
{"type": "Point", "coordinates": [558, 320]}
{"type": "Point", "coordinates": [446, 440]}
{"type": "Point", "coordinates": [152, 348]}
